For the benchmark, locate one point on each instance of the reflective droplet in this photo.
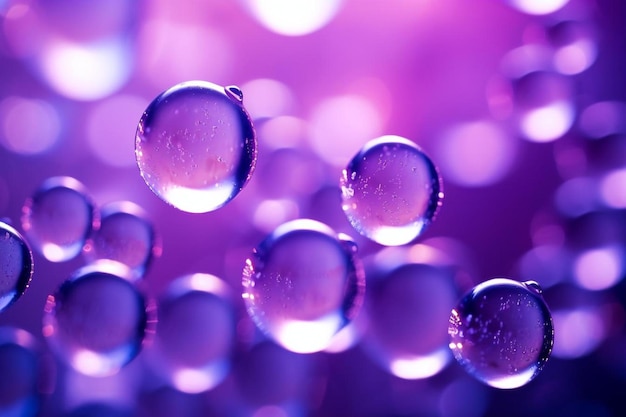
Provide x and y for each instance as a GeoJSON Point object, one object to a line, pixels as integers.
{"type": "Point", "coordinates": [195, 333]}
{"type": "Point", "coordinates": [302, 285]}
{"type": "Point", "coordinates": [58, 218]}
{"type": "Point", "coordinates": [502, 333]}
{"type": "Point", "coordinates": [97, 320]}
{"type": "Point", "coordinates": [234, 92]}
{"type": "Point", "coordinates": [16, 265]}
{"type": "Point", "coordinates": [196, 146]}
{"type": "Point", "coordinates": [125, 235]}
{"type": "Point", "coordinates": [21, 373]}
{"type": "Point", "coordinates": [533, 286]}
{"type": "Point", "coordinates": [391, 191]}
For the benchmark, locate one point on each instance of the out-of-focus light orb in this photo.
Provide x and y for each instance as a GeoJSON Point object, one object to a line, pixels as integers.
{"type": "Point", "coordinates": [577, 332]}
{"type": "Point", "coordinates": [267, 98]}
{"type": "Point", "coordinates": [294, 17]}
{"type": "Point", "coordinates": [284, 132]}
{"type": "Point", "coordinates": [97, 320]}
{"type": "Point", "coordinates": [303, 284]}
{"type": "Point", "coordinates": [29, 126]}
{"type": "Point", "coordinates": [502, 333]}
{"type": "Point", "coordinates": [195, 146]}
{"type": "Point", "coordinates": [463, 398]}
{"type": "Point", "coordinates": [543, 105]}
{"type": "Point", "coordinates": [538, 7]}
{"type": "Point", "coordinates": [108, 125]}
{"type": "Point", "coordinates": [526, 59]}
{"type": "Point", "coordinates": [547, 264]}
{"type": "Point", "coordinates": [391, 191]}
{"type": "Point", "coordinates": [599, 269]}
{"type": "Point", "coordinates": [58, 218]}
{"type": "Point", "coordinates": [16, 265]}
{"type": "Point", "coordinates": [270, 214]}
{"type": "Point", "coordinates": [341, 125]}
{"type": "Point", "coordinates": [612, 189]}
{"type": "Point", "coordinates": [603, 118]}
{"type": "Point", "coordinates": [159, 46]}
{"type": "Point", "coordinates": [475, 154]}
{"type": "Point", "coordinates": [195, 334]}
{"type": "Point", "coordinates": [575, 47]}
{"type": "Point", "coordinates": [576, 196]}
{"type": "Point", "coordinates": [89, 70]}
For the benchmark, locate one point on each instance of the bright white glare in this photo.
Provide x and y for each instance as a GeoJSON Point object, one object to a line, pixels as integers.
{"type": "Point", "coordinates": [548, 123]}
{"type": "Point", "coordinates": [512, 381]}
{"type": "Point", "coordinates": [476, 154]}
{"type": "Point", "coordinates": [29, 126]}
{"type": "Point", "coordinates": [420, 367]}
{"type": "Point", "coordinates": [575, 58]}
{"type": "Point", "coordinates": [264, 97]}
{"type": "Point", "coordinates": [194, 381]}
{"type": "Point", "coordinates": [294, 17]}
{"type": "Point", "coordinates": [598, 269]}
{"type": "Point", "coordinates": [272, 213]}
{"type": "Point", "coordinates": [308, 336]}
{"type": "Point", "coordinates": [576, 333]}
{"type": "Point", "coordinates": [108, 127]}
{"type": "Point", "coordinates": [538, 7]}
{"type": "Point", "coordinates": [347, 337]}
{"type": "Point", "coordinates": [198, 200]}
{"type": "Point", "coordinates": [341, 125]}
{"type": "Point", "coordinates": [613, 189]}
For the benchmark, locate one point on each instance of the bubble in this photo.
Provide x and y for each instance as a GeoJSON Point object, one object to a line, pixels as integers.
{"type": "Point", "coordinates": [391, 191]}
{"type": "Point", "coordinates": [97, 320]}
{"type": "Point", "coordinates": [58, 218]}
{"type": "Point", "coordinates": [195, 333]}
{"type": "Point", "coordinates": [20, 364]}
{"type": "Point", "coordinates": [501, 332]}
{"type": "Point", "coordinates": [125, 235]}
{"type": "Point", "coordinates": [16, 265]}
{"type": "Point", "coordinates": [196, 146]}
{"type": "Point", "coordinates": [538, 7]}
{"type": "Point", "coordinates": [303, 284]}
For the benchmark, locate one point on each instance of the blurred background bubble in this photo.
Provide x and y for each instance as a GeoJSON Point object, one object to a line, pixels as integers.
{"type": "Point", "coordinates": [520, 104]}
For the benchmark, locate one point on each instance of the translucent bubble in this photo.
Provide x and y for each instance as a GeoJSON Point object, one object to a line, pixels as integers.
{"type": "Point", "coordinates": [303, 284]}
{"type": "Point", "coordinates": [195, 333]}
{"type": "Point", "coordinates": [502, 333]}
{"type": "Point", "coordinates": [16, 265]}
{"type": "Point", "coordinates": [125, 235]}
{"type": "Point", "coordinates": [196, 146]}
{"type": "Point", "coordinates": [391, 191]}
{"type": "Point", "coordinates": [58, 218]}
{"type": "Point", "coordinates": [97, 320]}
{"type": "Point", "coordinates": [20, 364]}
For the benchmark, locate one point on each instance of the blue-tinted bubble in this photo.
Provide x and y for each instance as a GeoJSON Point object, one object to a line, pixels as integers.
{"type": "Point", "coordinates": [303, 284]}
{"type": "Point", "coordinates": [391, 191]}
{"type": "Point", "coordinates": [20, 370]}
{"type": "Point", "coordinates": [97, 320]}
{"type": "Point", "coordinates": [196, 146]}
{"type": "Point", "coordinates": [502, 333]}
{"type": "Point", "coordinates": [58, 218]}
{"type": "Point", "coordinates": [195, 333]}
{"type": "Point", "coordinates": [16, 265]}
{"type": "Point", "coordinates": [125, 235]}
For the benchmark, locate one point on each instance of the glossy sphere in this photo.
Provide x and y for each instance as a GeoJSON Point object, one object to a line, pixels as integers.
{"type": "Point", "coordinates": [195, 333]}
{"type": "Point", "coordinates": [502, 333]}
{"type": "Point", "coordinates": [302, 285]}
{"type": "Point", "coordinates": [58, 219]}
{"type": "Point", "coordinates": [196, 146]}
{"type": "Point", "coordinates": [391, 191]}
{"type": "Point", "coordinates": [97, 320]}
{"type": "Point", "coordinates": [125, 235]}
{"type": "Point", "coordinates": [16, 265]}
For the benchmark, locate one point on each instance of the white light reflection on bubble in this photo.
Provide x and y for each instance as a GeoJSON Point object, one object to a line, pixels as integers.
{"type": "Point", "coordinates": [420, 367]}
{"type": "Point", "coordinates": [603, 118]}
{"type": "Point", "coordinates": [86, 71]}
{"type": "Point", "coordinates": [267, 98]}
{"type": "Point", "coordinates": [538, 7]}
{"type": "Point", "coordinates": [599, 269]}
{"type": "Point", "coordinates": [29, 126]}
{"type": "Point", "coordinates": [513, 381]}
{"type": "Point", "coordinates": [547, 123]}
{"type": "Point", "coordinates": [109, 141]}
{"type": "Point", "coordinates": [308, 336]}
{"type": "Point", "coordinates": [577, 332]}
{"type": "Point", "coordinates": [294, 17]}
{"type": "Point", "coordinates": [476, 154]}
{"type": "Point", "coordinates": [341, 125]}
{"type": "Point", "coordinates": [198, 200]}
{"type": "Point", "coordinates": [613, 189]}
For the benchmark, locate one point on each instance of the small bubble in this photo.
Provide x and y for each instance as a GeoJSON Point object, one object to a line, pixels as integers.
{"type": "Point", "coordinates": [391, 191]}
{"type": "Point", "coordinates": [234, 92]}
{"type": "Point", "coordinates": [16, 266]}
{"type": "Point", "coordinates": [302, 285]}
{"type": "Point", "coordinates": [510, 336]}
